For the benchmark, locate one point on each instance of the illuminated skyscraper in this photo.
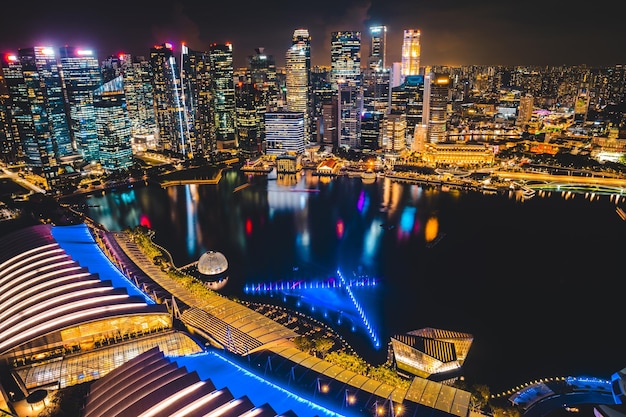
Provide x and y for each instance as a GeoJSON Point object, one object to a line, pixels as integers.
{"type": "Point", "coordinates": [113, 125]}
{"type": "Point", "coordinates": [81, 76]}
{"type": "Point", "coordinates": [378, 48]}
{"type": "Point", "coordinates": [37, 91]}
{"type": "Point", "coordinates": [284, 132]}
{"type": "Point", "coordinates": [411, 53]}
{"type": "Point", "coordinates": [345, 62]}
{"type": "Point", "coordinates": [435, 108]}
{"type": "Point", "coordinates": [168, 101]}
{"type": "Point", "coordinates": [221, 56]}
{"type": "Point", "coordinates": [247, 103]}
{"type": "Point", "coordinates": [198, 100]}
{"type": "Point", "coordinates": [298, 76]}
{"type": "Point", "coordinates": [10, 146]}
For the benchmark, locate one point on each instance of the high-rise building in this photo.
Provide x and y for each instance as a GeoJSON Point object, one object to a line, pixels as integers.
{"type": "Point", "coordinates": [435, 109]}
{"type": "Point", "coordinates": [113, 125]}
{"type": "Point", "coordinates": [221, 56]}
{"type": "Point", "coordinates": [411, 53]}
{"type": "Point", "coordinates": [37, 91]}
{"type": "Point", "coordinates": [378, 48]}
{"type": "Point", "coordinates": [81, 76]}
{"type": "Point", "coordinates": [140, 100]}
{"type": "Point", "coordinates": [247, 103]}
{"type": "Point", "coordinates": [284, 133]}
{"type": "Point", "coordinates": [10, 146]}
{"type": "Point", "coordinates": [394, 132]}
{"type": "Point", "coordinates": [173, 130]}
{"type": "Point", "coordinates": [346, 78]}
{"type": "Point", "coordinates": [371, 123]}
{"type": "Point", "coordinates": [262, 74]}
{"type": "Point", "coordinates": [322, 93]}
{"type": "Point", "coordinates": [298, 77]}
{"type": "Point", "coordinates": [198, 100]}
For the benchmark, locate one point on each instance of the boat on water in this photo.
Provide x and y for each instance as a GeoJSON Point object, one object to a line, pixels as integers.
{"type": "Point", "coordinates": [368, 176]}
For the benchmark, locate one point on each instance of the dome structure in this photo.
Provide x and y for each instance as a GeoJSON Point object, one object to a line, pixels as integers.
{"type": "Point", "coordinates": [212, 263]}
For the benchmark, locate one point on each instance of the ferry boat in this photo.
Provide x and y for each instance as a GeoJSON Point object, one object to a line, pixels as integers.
{"type": "Point", "coordinates": [368, 176]}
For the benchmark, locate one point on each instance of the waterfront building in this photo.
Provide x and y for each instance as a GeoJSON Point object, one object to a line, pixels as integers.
{"type": "Point", "coordinates": [429, 351]}
{"type": "Point", "coordinates": [81, 76]}
{"type": "Point", "coordinates": [198, 101]}
{"type": "Point", "coordinates": [113, 126]}
{"type": "Point", "coordinates": [411, 52]}
{"type": "Point", "coordinates": [460, 154]}
{"type": "Point", "coordinates": [284, 132]}
{"type": "Point", "coordinates": [68, 315]}
{"type": "Point", "coordinates": [221, 56]}
{"type": "Point", "coordinates": [173, 131]}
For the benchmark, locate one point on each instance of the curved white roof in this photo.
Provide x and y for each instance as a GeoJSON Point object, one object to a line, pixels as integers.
{"type": "Point", "coordinates": [42, 290]}
{"type": "Point", "coordinates": [212, 263]}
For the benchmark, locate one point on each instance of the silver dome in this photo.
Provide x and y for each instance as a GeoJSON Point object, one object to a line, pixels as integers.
{"type": "Point", "coordinates": [212, 263]}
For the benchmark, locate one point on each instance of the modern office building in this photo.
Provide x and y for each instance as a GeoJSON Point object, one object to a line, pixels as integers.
{"type": "Point", "coordinates": [81, 76]}
{"type": "Point", "coordinates": [113, 126]}
{"type": "Point", "coordinates": [262, 75]}
{"type": "Point", "coordinates": [411, 52]}
{"type": "Point", "coordinates": [36, 87]}
{"type": "Point", "coordinates": [249, 111]}
{"type": "Point", "coordinates": [377, 59]}
{"type": "Point", "coordinates": [173, 130]}
{"type": "Point", "coordinates": [10, 146]}
{"type": "Point", "coordinates": [371, 130]}
{"type": "Point", "coordinates": [347, 81]}
{"type": "Point", "coordinates": [430, 351]}
{"type": "Point", "coordinates": [198, 101]}
{"type": "Point", "coordinates": [221, 56]}
{"type": "Point", "coordinates": [298, 77]}
{"type": "Point", "coordinates": [284, 132]}
{"type": "Point", "coordinates": [435, 107]}
{"type": "Point", "coordinates": [394, 132]}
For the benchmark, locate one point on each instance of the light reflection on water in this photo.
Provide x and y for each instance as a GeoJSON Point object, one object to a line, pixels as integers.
{"type": "Point", "coordinates": [519, 274]}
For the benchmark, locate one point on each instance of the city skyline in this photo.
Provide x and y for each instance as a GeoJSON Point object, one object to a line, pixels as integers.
{"type": "Point", "coordinates": [457, 33]}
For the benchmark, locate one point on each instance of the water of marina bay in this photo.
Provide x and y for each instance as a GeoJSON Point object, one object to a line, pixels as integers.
{"type": "Point", "coordinates": [535, 281]}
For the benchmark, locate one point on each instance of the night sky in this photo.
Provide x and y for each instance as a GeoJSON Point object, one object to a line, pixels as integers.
{"type": "Point", "coordinates": [454, 32]}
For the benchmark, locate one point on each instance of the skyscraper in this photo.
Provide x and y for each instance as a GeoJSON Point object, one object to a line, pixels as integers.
{"type": "Point", "coordinates": [298, 77]}
{"type": "Point", "coordinates": [435, 108]}
{"type": "Point", "coordinates": [221, 56]}
{"type": "Point", "coordinates": [284, 132]}
{"type": "Point", "coordinates": [198, 100]}
{"type": "Point", "coordinates": [411, 53]}
{"type": "Point", "coordinates": [378, 48]}
{"type": "Point", "coordinates": [113, 125]}
{"type": "Point", "coordinates": [81, 76]}
{"type": "Point", "coordinates": [170, 111]}
{"type": "Point", "coordinates": [37, 91]}
{"type": "Point", "coordinates": [10, 146]}
{"type": "Point", "coordinates": [345, 61]}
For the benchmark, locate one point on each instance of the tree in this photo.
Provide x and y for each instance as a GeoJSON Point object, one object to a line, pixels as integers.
{"type": "Point", "coordinates": [323, 345]}
{"type": "Point", "coordinates": [303, 343]}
